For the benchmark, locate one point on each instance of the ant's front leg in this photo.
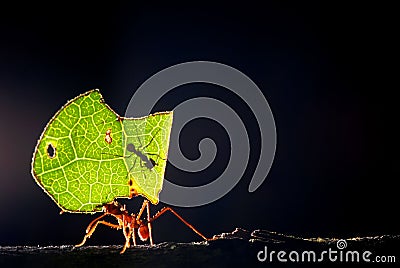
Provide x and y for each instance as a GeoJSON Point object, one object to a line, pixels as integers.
{"type": "Point", "coordinates": [94, 221]}
{"type": "Point", "coordinates": [149, 223]}
{"type": "Point", "coordinates": [137, 219]}
{"type": "Point", "coordinates": [92, 227]}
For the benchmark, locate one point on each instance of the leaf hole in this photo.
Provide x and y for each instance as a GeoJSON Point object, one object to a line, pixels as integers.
{"type": "Point", "coordinates": [51, 151]}
{"type": "Point", "coordinates": [108, 137]}
{"type": "Point", "coordinates": [130, 182]}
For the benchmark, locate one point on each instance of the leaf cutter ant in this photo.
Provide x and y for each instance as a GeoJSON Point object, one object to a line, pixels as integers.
{"type": "Point", "coordinates": [132, 223]}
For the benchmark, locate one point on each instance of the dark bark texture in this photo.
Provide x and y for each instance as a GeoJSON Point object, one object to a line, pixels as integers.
{"type": "Point", "coordinates": [239, 248]}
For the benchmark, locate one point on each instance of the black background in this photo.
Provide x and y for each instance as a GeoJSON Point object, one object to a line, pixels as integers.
{"type": "Point", "coordinates": [326, 71]}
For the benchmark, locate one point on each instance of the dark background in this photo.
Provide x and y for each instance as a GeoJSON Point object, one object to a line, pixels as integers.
{"type": "Point", "coordinates": [325, 71]}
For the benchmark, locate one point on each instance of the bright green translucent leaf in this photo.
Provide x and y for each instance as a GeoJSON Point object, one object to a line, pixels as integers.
{"type": "Point", "coordinates": [88, 155]}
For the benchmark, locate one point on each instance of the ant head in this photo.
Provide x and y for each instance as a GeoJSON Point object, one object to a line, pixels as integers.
{"type": "Point", "coordinates": [113, 208]}
{"type": "Point", "coordinates": [131, 148]}
{"type": "Point", "coordinates": [143, 232]}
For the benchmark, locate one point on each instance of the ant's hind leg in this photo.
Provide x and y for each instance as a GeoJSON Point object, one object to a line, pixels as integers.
{"type": "Point", "coordinates": [158, 157]}
{"type": "Point", "coordinates": [165, 209]}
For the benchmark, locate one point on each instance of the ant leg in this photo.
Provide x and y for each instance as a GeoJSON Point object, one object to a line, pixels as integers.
{"type": "Point", "coordinates": [134, 237]}
{"type": "Point", "coordinates": [149, 223]}
{"type": "Point", "coordinates": [94, 221]}
{"type": "Point", "coordinates": [89, 228]}
{"type": "Point", "coordinates": [151, 140]}
{"type": "Point", "coordinates": [126, 240]}
{"type": "Point", "coordinates": [141, 164]}
{"type": "Point", "coordinates": [155, 162]}
{"type": "Point", "coordinates": [138, 134]}
{"type": "Point", "coordinates": [158, 156]}
{"type": "Point", "coordinates": [128, 235]}
{"type": "Point", "coordinates": [130, 169]}
{"type": "Point", "coordinates": [145, 202]}
{"type": "Point", "coordinates": [165, 209]}
{"type": "Point", "coordinates": [137, 218]}
{"type": "Point", "coordinates": [134, 163]}
{"type": "Point", "coordinates": [91, 231]}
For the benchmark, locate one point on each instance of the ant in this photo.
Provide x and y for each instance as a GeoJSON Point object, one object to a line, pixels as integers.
{"type": "Point", "coordinates": [149, 163]}
{"type": "Point", "coordinates": [129, 223]}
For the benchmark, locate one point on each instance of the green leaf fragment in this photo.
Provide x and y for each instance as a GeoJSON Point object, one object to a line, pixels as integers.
{"type": "Point", "coordinates": [99, 156]}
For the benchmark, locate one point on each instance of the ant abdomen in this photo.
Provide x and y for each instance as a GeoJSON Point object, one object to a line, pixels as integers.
{"type": "Point", "coordinates": [143, 232]}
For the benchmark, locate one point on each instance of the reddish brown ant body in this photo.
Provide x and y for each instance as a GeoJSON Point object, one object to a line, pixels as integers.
{"type": "Point", "coordinates": [129, 223]}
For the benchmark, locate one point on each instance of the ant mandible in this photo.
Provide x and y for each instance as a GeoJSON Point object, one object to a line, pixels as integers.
{"type": "Point", "coordinates": [131, 222]}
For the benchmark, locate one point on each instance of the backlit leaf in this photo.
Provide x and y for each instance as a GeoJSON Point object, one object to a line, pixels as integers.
{"type": "Point", "coordinates": [88, 155]}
